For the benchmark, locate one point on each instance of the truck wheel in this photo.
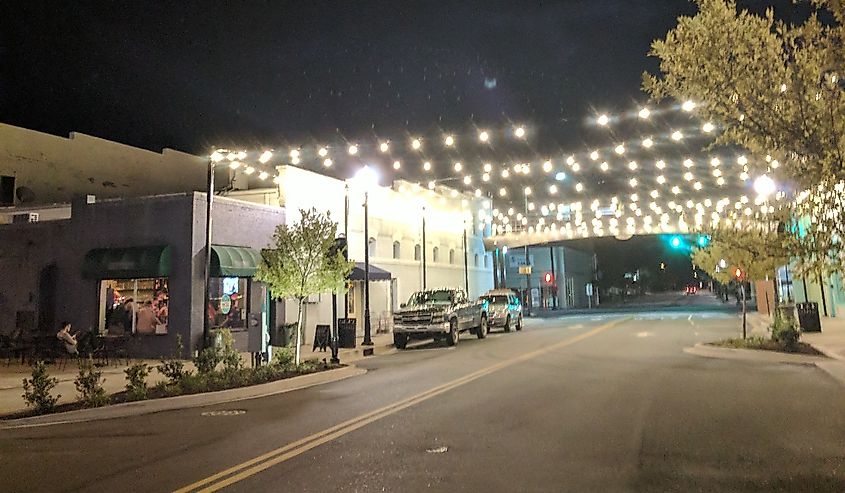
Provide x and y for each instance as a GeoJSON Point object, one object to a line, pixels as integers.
{"type": "Point", "coordinates": [519, 323]}
{"type": "Point", "coordinates": [454, 334]}
{"type": "Point", "coordinates": [482, 329]}
{"type": "Point", "coordinates": [508, 324]}
{"type": "Point", "coordinates": [400, 341]}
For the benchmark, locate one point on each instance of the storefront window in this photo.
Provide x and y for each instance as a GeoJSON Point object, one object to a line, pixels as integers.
{"type": "Point", "coordinates": [134, 306]}
{"type": "Point", "coordinates": [228, 302]}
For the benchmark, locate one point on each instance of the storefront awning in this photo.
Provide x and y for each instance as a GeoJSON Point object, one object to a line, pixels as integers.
{"type": "Point", "coordinates": [127, 263]}
{"type": "Point", "coordinates": [234, 261]}
{"type": "Point", "coordinates": [376, 274]}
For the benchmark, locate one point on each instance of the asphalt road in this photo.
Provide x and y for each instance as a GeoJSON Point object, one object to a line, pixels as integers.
{"type": "Point", "coordinates": [582, 403]}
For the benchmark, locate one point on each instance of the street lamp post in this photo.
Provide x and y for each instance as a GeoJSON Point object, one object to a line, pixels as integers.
{"type": "Point", "coordinates": [366, 176]}
{"type": "Point", "coordinates": [346, 235]}
{"type": "Point", "coordinates": [209, 204]}
{"type": "Point", "coordinates": [528, 302]}
{"type": "Point", "coordinates": [466, 262]}
{"type": "Point", "coordinates": [423, 249]}
{"type": "Point", "coordinates": [367, 330]}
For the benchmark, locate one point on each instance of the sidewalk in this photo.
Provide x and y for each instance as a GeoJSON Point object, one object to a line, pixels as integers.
{"type": "Point", "coordinates": [11, 377]}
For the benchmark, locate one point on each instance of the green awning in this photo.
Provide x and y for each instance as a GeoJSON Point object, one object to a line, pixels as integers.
{"type": "Point", "coordinates": [234, 261]}
{"type": "Point", "coordinates": [127, 263]}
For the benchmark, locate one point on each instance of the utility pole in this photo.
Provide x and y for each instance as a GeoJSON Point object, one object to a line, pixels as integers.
{"type": "Point", "coordinates": [423, 249]}
{"type": "Point", "coordinates": [528, 301]}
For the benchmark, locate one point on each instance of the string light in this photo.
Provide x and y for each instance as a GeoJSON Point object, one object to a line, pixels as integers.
{"type": "Point", "coordinates": [603, 120]}
{"type": "Point", "coordinates": [397, 165]}
{"type": "Point", "coordinates": [677, 135]}
{"type": "Point", "coordinates": [688, 106]}
{"type": "Point", "coordinates": [483, 136]}
{"type": "Point", "coordinates": [416, 144]}
{"type": "Point", "coordinates": [327, 162]}
{"type": "Point", "coordinates": [352, 150]}
{"type": "Point", "coordinates": [648, 142]}
{"type": "Point", "coordinates": [519, 132]}
{"type": "Point", "coordinates": [594, 155]}
{"type": "Point", "coordinates": [265, 157]}
{"type": "Point", "coordinates": [323, 152]}
{"type": "Point", "coordinates": [707, 127]}
{"type": "Point", "coordinates": [619, 149]}
{"type": "Point", "coordinates": [449, 141]}
{"type": "Point", "coordinates": [427, 166]}
{"type": "Point", "coordinates": [384, 146]}
{"type": "Point", "coordinates": [644, 113]}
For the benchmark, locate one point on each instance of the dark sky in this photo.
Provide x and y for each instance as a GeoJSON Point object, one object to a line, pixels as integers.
{"type": "Point", "coordinates": [190, 75]}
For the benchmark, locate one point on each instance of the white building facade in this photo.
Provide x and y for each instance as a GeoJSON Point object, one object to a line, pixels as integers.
{"type": "Point", "coordinates": [396, 212]}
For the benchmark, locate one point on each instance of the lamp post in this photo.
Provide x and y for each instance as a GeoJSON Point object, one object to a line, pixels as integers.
{"type": "Point", "coordinates": [423, 249]}
{"type": "Point", "coordinates": [366, 176]}
{"type": "Point", "coordinates": [215, 158]}
{"type": "Point", "coordinates": [346, 235]}
{"type": "Point", "coordinates": [466, 262]}
{"type": "Point", "coordinates": [528, 302]}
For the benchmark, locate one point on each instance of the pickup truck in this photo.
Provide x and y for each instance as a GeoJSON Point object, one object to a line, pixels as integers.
{"type": "Point", "coordinates": [439, 314]}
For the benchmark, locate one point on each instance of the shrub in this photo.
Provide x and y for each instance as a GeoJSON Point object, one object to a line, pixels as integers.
{"type": "Point", "coordinates": [173, 370]}
{"type": "Point", "coordinates": [231, 357]}
{"type": "Point", "coordinates": [89, 384]}
{"type": "Point", "coordinates": [136, 381]}
{"type": "Point", "coordinates": [283, 358]}
{"type": "Point", "coordinates": [785, 333]}
{"type": "Point", "coordinates": [207, 360]}
{"type": "Point", "coordinates": [36, 390]}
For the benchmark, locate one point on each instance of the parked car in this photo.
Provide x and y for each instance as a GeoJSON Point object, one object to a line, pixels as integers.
{"type": "Point", "coordinates": [504, 309]}
{"type": "Point", "coordinates": [439, 314]}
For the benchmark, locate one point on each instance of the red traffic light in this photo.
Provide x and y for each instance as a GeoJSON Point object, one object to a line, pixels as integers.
{"type": "Point", "coordinates": [549, 278]}
{"type": "Point", "coordinates": [739, 274]}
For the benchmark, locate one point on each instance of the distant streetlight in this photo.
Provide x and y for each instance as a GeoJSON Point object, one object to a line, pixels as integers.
{"type": "Point", "coordinates": [764, 186]}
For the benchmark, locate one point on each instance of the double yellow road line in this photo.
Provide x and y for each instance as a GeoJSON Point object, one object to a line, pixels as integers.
{"type": "Point", "coordinates": [254, 466]}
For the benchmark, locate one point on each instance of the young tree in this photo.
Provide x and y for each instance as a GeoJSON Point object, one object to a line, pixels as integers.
{"type": "Point", "coordinates": [776, 89]}
{"type": "Point", "coordinates": [759, 252]}
{"type": "Point", "coordinates": [302, 261]}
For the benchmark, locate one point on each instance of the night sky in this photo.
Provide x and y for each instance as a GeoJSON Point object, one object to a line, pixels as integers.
{"type": "Point", "coordinates": [190, 75]}
{"type": "Point", "coordinates": [193, 75]}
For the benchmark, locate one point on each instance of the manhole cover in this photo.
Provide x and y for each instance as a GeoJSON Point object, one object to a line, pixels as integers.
{"type": "Point", "coordinates": [224, 412]}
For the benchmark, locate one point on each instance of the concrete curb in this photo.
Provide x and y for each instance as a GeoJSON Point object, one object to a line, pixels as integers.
{"type": "Point", "coordinates": [756, 355]}
{"type": "Point", "coordinates": [833, 367]}
{"type": "Point", "coordinates": [185, 401]}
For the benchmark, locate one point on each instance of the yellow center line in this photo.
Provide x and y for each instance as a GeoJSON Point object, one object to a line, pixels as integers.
{"type": "Point", "coordinates": [253, 466]}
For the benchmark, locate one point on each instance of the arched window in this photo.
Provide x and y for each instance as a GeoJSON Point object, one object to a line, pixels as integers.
{"type": "Point", "coordinates": [476, 260]}
{"type": "Point", "coordinates": [372, 247]}
{"type": "Point", "coordinates": [452, 256]}
{"type": "Point", "coordinates": [485, 260]}
{"type": "Point", "coordinates": [396, 250]}
{"type": "Point", "coordinates": [434, 253]}
{"type": "Point", "coordinates": [417, 253]}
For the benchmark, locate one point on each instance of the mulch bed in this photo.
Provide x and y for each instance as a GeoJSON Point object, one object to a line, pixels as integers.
{"type": "Point", "coordinates": [158, 393]}
{"type": "Point", "coordinates": [767, 345]}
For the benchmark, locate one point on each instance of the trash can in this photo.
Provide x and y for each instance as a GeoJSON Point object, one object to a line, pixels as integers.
{"type": "Point", "coordinates": [346, 332]}
{"type": "Point", "coordinates": [281, 335]}
{"type": "Point", "coordinates": [808, 317]}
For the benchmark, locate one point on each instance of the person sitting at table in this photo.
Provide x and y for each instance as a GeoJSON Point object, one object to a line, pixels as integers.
{"type": "Point", "coordinates": [147, 320]}
{"type": "Point", "coordinates": [67, 338]}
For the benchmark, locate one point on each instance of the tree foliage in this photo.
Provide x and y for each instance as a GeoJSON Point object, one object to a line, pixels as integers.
{"type": "Point", "coordinates": [302, 261]}
{"type": "Point", "coordinates": [776, 89]}
{"type": "Point", "coordinates": [758, 251]}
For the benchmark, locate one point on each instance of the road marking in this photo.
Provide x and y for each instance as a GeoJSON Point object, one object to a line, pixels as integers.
{"type": "Point", "coordinates": [265, 461]}
{"type": "Point", "coordinates": [690, 317]}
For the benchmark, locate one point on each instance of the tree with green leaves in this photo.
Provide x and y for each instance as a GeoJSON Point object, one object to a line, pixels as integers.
{"type": "Point", "coordinates": [302, 261]}
{"type": "Point", "coordinates": [776, 89]}
{"type": "Point", "coordinates": [758, 252]}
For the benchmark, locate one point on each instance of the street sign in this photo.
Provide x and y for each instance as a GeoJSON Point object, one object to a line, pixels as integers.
{"type": "Point", "coordinates": [525, 269]}
{"type": "Point", "coordinates": [589, 288]}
